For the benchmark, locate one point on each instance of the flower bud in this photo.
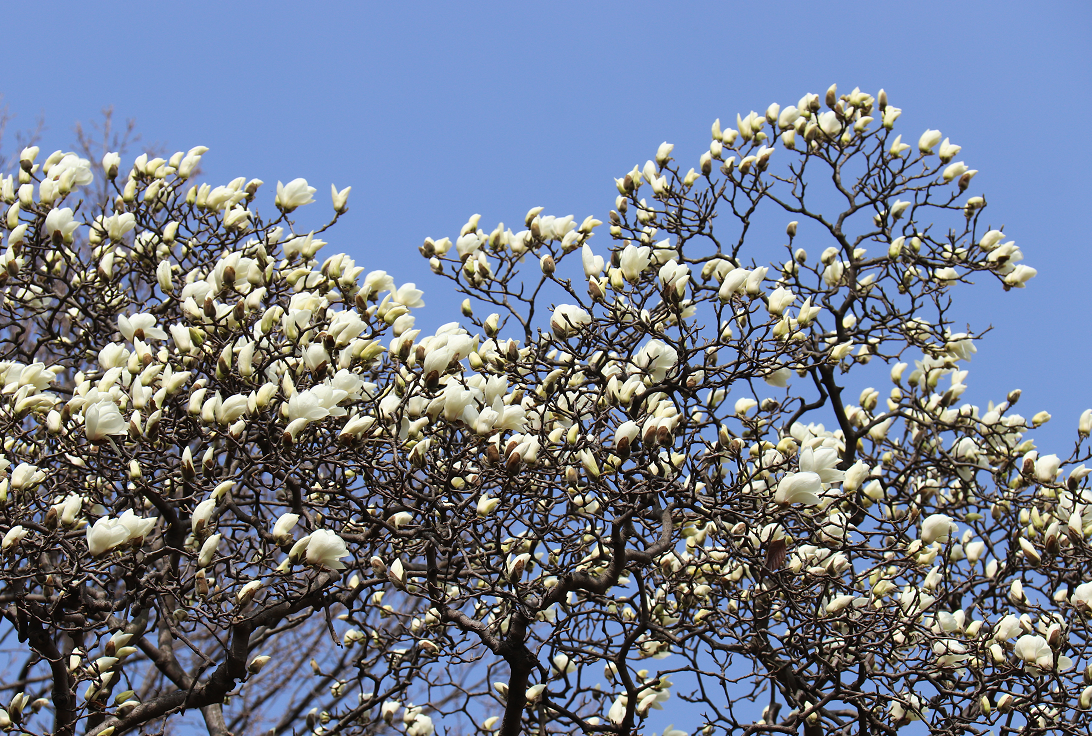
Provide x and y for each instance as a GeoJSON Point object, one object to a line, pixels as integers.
{"type": "Point", "coordinates": [340, 199]}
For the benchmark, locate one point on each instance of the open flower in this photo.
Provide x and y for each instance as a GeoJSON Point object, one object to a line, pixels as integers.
{"type": "Point", "coordinates": [656, 358]}
{"type": "Point", "coordinates": [326, 549]}
{"type": "Point", "coordinates": [1036, 652]}
{"type": "Point", "coordinates": [60, 225]}
{"type": "Point", "coordinates": [803, 488]}
{"type": "Point", "coordinates": [928, 139]}
{"type": "Point", "coordinates": [408, 295]}
{"type": "Point", "coordinates": [103, 418]}
{"type": "Point", "coordinates": [823, 462]}
{"type": "Point", "coordinates": [136, 526]}
{"type": "Point", "coordinates": [80, 169]}
{"type": "Point", "coordinates": [1082, 597]}
{"type": "Point", "coordinates": [106, 534]}
{"type": "Point", "coordinates": [634, 260]}
{"type": "Point", "coordinates": [26, 476]}
{"type": "Point", "coordinates": [140, 326]}
{"type": "Point", "coordinates": [567, 319]}
{"type": "Point", "coordinates": [295, 193]}
{"type": "Point", "coordinates": [13, 537]}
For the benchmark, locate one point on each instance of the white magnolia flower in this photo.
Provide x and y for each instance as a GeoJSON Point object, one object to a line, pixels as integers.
{"type": "Point", "coordinates": [70, 508]}
{"type": "Point", "coordinates": [375, 282]}
{"type": "Point", "coordinates": [914, 708]}
{"type": "Point", "coordinates": [948, 150]}
{"type": "Point", "coordinates": [937, 528]}
{"type": "Point", "coordinates": [803, 488]}
{"type": "Point", "coordinates": [1036, 652]}
{"type": "Point", "coordinates": [317, 402]}
{"type": "Point", "coordinates": [246, 593]}
{"type": "Point", "coordinates": [856, 475]}
{"type": "Point", "coordinates": [779, 299]}
{"type": "Point", "coordinates": [282, 529]}
{"type": "Point", "coordinates": [117, 225]}
{"type": "Point", "coordinates": [106, 534]}
{"type": "Point", "coordinates": [18, 375]}
{"type": "Point", "coordinates": [1082, 597]}
{"type": "Point", "coordinates": [137, 526]}
{"type": "Point", "coordinates": [60, 225]}
{"type": "Point", "coordinates": [26, 476]}
{"type": "Point", "coordinates": [788, 117]}
{"type": "Point", "coordinates": [13, 537]}
{"type": "Point", "coordinates": [422, 726]}
{"type": "Point", "coordinates": [656, 358]}
{"type": "Point", "coordinates": [830, 124]}
{"type": "Point", "coordinates": [340, 199]}
{"type": "Point", "coordinates": [733, 283]}
{"type": "Point", "coordinates": [71, 165]}
{"type": "Point", "coordinates": [486, 505]}
{"type": "Point", "coordinates": [111, 162]}
{"type": "Point", "coordinates": [673, 274]}
{"type": "Point", "coordinates": [408, 296]}
{"type": "Point", "coordinates": [617, 712]}
{"type": "Point", "coordinates": [326, 548]}
{"type": "Point", "coordinates": [202, 514]}
{"type": "Point", "coordinates": [102, 419]}
{"type": "Point", "coordinates": [823, 462]}
{"type": "Point", "coordinates": [208, 550]}
{"type": "Point", "coordinates": [779, 378]}
{"type": "Point", "coordinates": [928, 139]}
{"type": "Point", "coordinates": [140, 326]}
{"type": "Point", "coordinates": [744, 405]}
{"type": "Point", "coordinates": [295, 193]}
{"type": "Point", "coordinates": [625, 435]}
{"type": "Point", "coordinates": [1020, 275]}
{"type": "Point", "coordinates": [953, 171]}
{"type": "Point", "coordinates": [634, 260]}
{"type": "Point", "coordinates": [1046, 468]}
{"type": "Point", "coordinates": [1007, 628]}
{"type": "Point", "coordinates": [567, 319]}
{"type": "Point", "coordinates": [593, 264]}
{"type": "Point", "coordinates": [232, 408]}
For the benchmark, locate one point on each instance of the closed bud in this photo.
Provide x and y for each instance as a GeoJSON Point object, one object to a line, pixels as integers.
{"type": "Point", "coordinates": [832, 96]}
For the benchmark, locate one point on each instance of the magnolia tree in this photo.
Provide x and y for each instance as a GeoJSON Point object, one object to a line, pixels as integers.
{"type": "Point", "coordinates": [636, 470]}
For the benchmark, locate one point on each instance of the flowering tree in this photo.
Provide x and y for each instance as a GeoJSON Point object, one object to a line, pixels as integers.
{"type": "Point", "coordinates": [641, 475]}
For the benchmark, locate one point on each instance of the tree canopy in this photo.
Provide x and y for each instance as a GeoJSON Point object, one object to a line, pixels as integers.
{"type": "Point", "coordinates": [643, 467]}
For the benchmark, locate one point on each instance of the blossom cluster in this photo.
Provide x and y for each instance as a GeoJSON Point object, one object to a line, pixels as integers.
{"type": "Point", "coordinates": [645, 457]}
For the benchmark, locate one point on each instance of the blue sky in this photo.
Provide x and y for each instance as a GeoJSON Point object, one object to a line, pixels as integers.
{"type": "Point", "coordinates": [435, 111]}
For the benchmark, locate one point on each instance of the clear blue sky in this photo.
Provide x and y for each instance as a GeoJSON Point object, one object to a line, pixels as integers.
{"type": "Point", "coordinates": [435, 111]}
